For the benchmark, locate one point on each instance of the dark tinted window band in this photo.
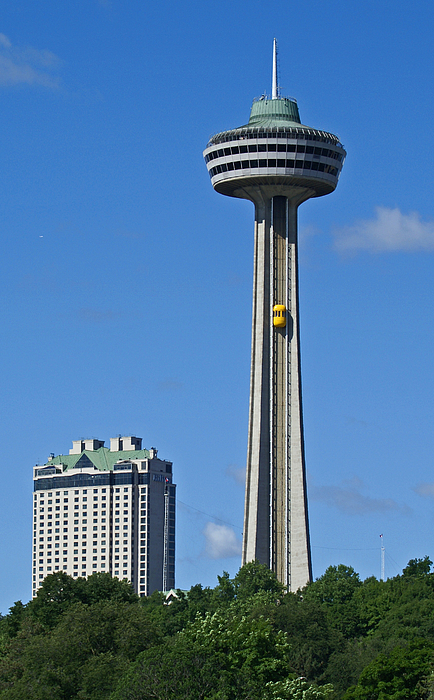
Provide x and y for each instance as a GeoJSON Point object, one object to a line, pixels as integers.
{"type": "Point", "coordinates": [271, 163]}
{"type": "Point", "coordinates": [281, 147]}
{"type": "Point", "coordinates": [79, 480]}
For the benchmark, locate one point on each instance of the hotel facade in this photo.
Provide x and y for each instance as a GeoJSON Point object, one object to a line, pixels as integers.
{"type": "Point", "coordinates": [105, 510]}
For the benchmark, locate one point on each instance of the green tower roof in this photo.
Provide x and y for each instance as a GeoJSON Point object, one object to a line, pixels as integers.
{"type": "Point", "coordinates": [269, 113]}
{"type": "Point", "coordinates": [280, 111]}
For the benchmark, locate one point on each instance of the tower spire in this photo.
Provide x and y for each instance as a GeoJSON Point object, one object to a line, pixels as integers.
{"type": "Point", "coordinates": [274, 88]}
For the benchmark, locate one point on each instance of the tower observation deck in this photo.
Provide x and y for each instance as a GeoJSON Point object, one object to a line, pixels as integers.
{"type": "Point", "coordinates": [277, 163]}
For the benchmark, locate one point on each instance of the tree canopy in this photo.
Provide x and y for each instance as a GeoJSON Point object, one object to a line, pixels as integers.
{"type": "Point", "coordinates": [245, 639]}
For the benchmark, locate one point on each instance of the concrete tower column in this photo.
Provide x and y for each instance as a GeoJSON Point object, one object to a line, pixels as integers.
{"type": "Point", "coordinates": [275, 502]}
{"type": "Point", "coordinates": [276, 162]}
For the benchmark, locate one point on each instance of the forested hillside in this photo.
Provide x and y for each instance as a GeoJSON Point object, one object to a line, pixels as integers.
{"type": "Point", "coordinates": [245, 639]}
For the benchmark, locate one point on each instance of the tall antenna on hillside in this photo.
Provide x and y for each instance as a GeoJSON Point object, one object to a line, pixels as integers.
{"type": "Point", "coordinates": [382, 558]}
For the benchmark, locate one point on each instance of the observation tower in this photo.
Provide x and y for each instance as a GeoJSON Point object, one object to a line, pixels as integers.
{"type": "Point", "coordinates": [277, 163]}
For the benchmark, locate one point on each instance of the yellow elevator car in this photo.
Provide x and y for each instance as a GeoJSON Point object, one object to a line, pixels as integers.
{"type": "Point", "coordinates": [279, 315]}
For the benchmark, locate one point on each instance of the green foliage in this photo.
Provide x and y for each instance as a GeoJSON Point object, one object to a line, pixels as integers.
{"type": "Point", "coordinates": [335, 591]}
{"type": "Point", "coordinates": [298, 689]}
{"type": "Point", "coordinates": [222, 656]}
{"type": "Point", "coordinates": [347, 661]}
{"type": "Point", "coordinates": [245, 639]}
{"type": "Point", "coordinates": [59, 591]}
{"type": "Point", "coordinates": [418, 567]}
{"type": "Point", "coordinates": [225, 591]}
{"type": "Point", "coordinates": [254, 577]}
{"type": "Point", "coordinates": [11, 624]}
{"type": "Point", "coordinates": [400, 675]}
{"type": "Point", "coordinates": [335, 587]}
{"type": "Point", "coordinates": [251, 579]}
{"type": "Point", "coordinates": [313, 639]}
{"type": "Point", "coordinates": [81, 657]}
{"type": "Point", "coordinates": [102, 586]}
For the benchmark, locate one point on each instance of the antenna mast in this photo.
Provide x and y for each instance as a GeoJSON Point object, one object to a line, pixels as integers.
{"type": "Point", "coordinates": [382, 558]}
{"type": "Point", "coordinates": [274, 88]}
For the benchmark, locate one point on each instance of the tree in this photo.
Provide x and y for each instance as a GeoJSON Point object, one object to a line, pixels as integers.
{"type": "Point", "coordinates": [337, 585]}
{"type": "Point", "coordinates": [335, 590]}
{"type": "Point", "coordinates": [311, 635]}
{"type": "Point", "coordinates": [11, 623]}
{"type": "Point", "coordinates": [418, 567]}
{"type": "Point", "coordinates": [254, 577]}
{"type": "Point", "coordinates": [298, 689]}
{"type": "Point", "coordinates": [400, 675]}
{"type": "Point", "coordinates": [82, 657]}
{"type": "Point", "coordinates": [227, 655]}
{"type": "Point", "coordinates": [224, 592]}
{"type": "Point", "coordinates": [103, 586]}
{"type": "Point", "coordinates": [59, 591]}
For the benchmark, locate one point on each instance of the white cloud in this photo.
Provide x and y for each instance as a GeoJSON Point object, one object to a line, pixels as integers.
{"type": "Point", "coordinates": [221, 542]}
{"type": "Point", "coordinates": [4, 41]}
{"type": "Point", "coordinates": [238, 474]}
{"type": "Point", "coordinates": [389, 230]}
{"type": "Point", "coordinates": [26, 65]}
{"type": "Point", "coordinates": [349, 499]}
{"type": "Point", "coordinates": [425, 489]}
{"type": "Point", "coordinates": [307, 232]}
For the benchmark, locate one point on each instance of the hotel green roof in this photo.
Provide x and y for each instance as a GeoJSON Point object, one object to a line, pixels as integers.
{"type": "Point", "coordinates": [102, 459]}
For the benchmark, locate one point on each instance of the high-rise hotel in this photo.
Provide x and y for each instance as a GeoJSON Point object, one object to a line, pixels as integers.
{"type": "Point", "coordinates": [110, 510]}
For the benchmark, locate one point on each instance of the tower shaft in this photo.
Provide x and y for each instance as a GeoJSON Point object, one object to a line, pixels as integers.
{"type": "Point", "coordinates": [276, 162]}
{"type": "Point", "coordinates": [275, 520]}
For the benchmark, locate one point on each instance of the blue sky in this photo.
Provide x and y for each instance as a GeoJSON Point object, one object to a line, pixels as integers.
{"type": "Point", "coordinates": [126, 280]}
